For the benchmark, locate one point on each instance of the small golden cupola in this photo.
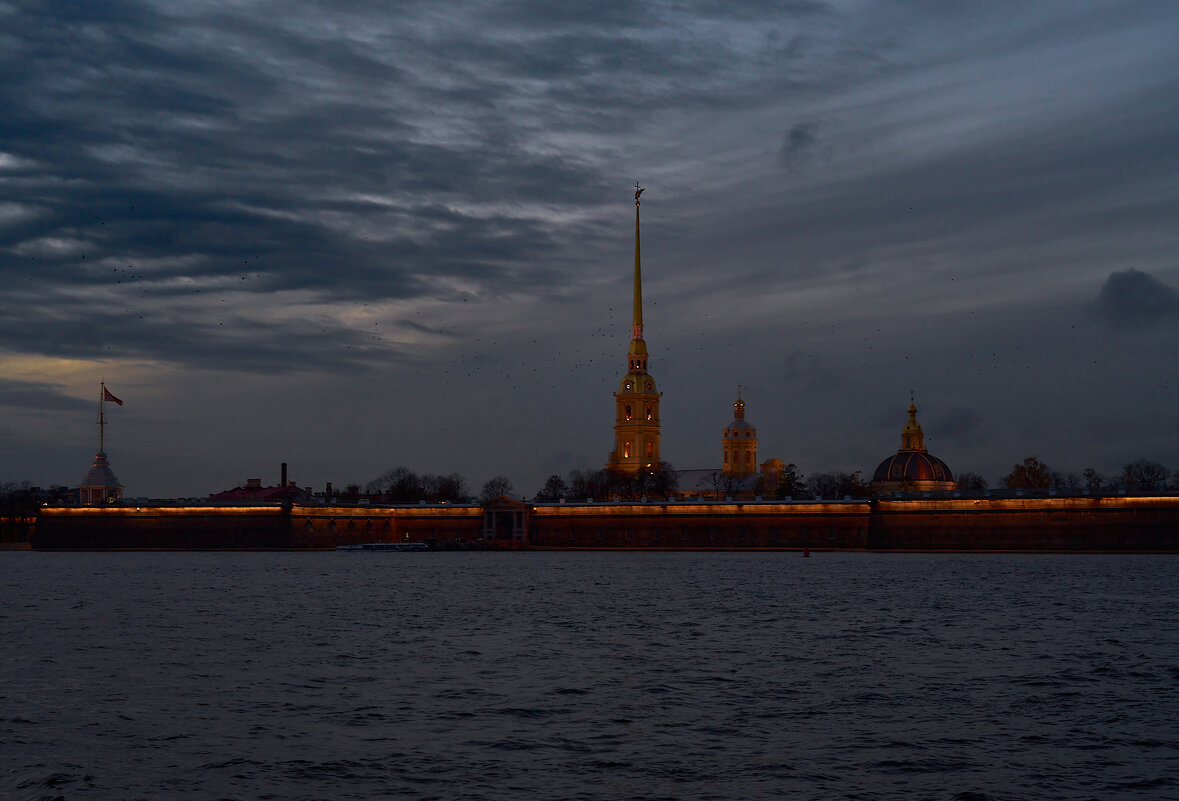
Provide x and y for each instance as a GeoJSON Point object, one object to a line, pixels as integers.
{"type": "Point", "coordinates": [912, 468]}
{"type": "Point", "coordinates": [739, 443]}
{"type": "Point", "coordinates": [912, 437]}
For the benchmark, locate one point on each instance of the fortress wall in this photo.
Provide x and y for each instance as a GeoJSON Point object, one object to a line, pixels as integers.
{"type": "Point", "coordinates": [1040, 524]}
{"type": "Point", "coordinates": [197, 527]}
{"type": "Point", "coordinates": [707, 525]}
{"type": "Point", "coordinates": [329, 526]}
{"type": "Point", "coordinates": [1035, 524]}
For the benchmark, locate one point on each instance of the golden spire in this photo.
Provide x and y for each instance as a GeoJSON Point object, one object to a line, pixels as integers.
{"type": "Point", "coordinates": [637, 329]}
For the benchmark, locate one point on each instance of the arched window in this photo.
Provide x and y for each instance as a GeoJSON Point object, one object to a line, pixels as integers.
{"type": "Point", "coordinates": [626, 450]}
{"type": "Point", "coordinates": [626, 413]}
{"type": "Point", "coordinates": [650, 450]}
{"type": "Point", "coordinates": [650, 413]}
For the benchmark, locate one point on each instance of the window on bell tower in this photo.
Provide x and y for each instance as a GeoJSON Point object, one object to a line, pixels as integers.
{"type": "Point", "coordinates": [626, 450]}
{"type": "Point", "coordinates": [650, 450]}
{"type": "Point", "coordinates": [626, 414]}
{"type": "Point", "coordinates": [650, 413]}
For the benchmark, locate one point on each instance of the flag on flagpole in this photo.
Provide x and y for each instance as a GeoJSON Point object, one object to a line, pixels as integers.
{"type": "Point", "coordinates": [106, 395]}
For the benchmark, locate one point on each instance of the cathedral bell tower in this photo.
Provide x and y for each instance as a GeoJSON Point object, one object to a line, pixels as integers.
{"type": "Point", "coordinates": [739, 443]}
{"type": "Point", "coordinates": [636, 404]}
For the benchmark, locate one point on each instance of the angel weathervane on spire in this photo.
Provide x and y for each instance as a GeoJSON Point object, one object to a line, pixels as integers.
{"type": "Point", "coordinates": [638, 191]}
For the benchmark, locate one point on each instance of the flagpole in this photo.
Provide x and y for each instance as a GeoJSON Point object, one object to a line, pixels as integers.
{"type": "Point", "coordinates": [101, 418]}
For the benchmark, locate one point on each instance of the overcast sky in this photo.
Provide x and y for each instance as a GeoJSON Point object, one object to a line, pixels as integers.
{"type": "Point", "coordinates": [353, 236]}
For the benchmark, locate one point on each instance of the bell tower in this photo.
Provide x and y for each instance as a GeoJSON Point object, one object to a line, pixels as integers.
{"type": "Point", "coordinates": [739, 443]}
{"type": "Point", "coordinates": [636, 404]}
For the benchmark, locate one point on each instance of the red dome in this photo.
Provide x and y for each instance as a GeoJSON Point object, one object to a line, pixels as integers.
{"type": "Point", "coordinates": [912, 466]}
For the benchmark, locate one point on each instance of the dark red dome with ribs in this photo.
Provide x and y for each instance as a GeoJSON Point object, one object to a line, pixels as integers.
{"type": "Point", "coordinates": [913, 466]}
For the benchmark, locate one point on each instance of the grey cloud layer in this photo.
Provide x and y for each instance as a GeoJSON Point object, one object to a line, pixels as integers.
{"type": "Point", "coordinates": [328, 149]}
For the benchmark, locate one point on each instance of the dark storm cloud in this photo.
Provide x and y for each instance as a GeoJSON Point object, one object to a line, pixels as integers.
{"type": "Point", "coordinates": [610, 74]}
{"type": "Point", "coordinates": [1131, 300]}
{"type": "Point", "coordinates": [799, 139]}
{"type": "Point", "coordinates": [323, 149]}
{"type": "Point", "coordinates": [1011, 195]}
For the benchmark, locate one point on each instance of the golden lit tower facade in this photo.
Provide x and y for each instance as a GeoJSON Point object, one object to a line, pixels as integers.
{"type": "Point", "coordinates": [739, 443]}
{"type": "Point", "coordinates": [636, 404]}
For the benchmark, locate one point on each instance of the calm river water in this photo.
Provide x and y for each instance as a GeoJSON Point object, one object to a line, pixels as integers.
{"type": "Point", "coordinates": [588, 676]}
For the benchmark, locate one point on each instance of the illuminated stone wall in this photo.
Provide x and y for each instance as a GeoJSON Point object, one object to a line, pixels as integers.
{"type": "Point", "coordinates": [1017, 524]}
{"type": "Point", "coordinates": [329, 526]}
{"type": "Point", "coordinates": [1062, 524]}
{"type": "Point", "coordinates": [699, 525]}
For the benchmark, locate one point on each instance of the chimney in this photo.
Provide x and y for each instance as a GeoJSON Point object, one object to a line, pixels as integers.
{"type": "Point", "coordinates": [283, 483]}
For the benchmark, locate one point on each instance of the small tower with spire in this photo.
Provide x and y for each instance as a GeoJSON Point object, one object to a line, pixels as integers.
{"type": "Point", "coordinates": [100, 485]}
{"type": "Point", "coordinates": [636, 404]}
{"type": "Point", "coordinates": [739, 443]}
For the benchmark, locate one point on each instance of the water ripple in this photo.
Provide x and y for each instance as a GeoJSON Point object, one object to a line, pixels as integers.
{"type": "Point", "coordinates": [589, 676]}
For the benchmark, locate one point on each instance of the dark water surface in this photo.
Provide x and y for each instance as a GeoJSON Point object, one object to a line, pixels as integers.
{"type": "Point", "coordinates": [588, 676]}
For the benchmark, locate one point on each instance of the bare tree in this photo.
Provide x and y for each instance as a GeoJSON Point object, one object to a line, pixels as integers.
{"type": "Point", "coordinates": [1144, 476]}
{"type": "Point", "coordinates": [588, 484]}
{"type": "Point", "coordinates": [1030, 474]}
{"type": "Point", "coordinates": [554, 489]}
{"type": "Point", "coordinates": [495, 487]}
{"type": "Point", "coordinates": [716, 480]}
{"type": "Point", "coordinates": [405, 486]}
{"type": "Point", "coordinates": [1093, 479]}
{"type": "Point", "coordinates": [838, 485]}
{"type": "Point", "coordinates": [971, 481]}
{"type": "Point", "coordinates": [663, 480]}
{"type": "Point", "coordinates": [450, 488]}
